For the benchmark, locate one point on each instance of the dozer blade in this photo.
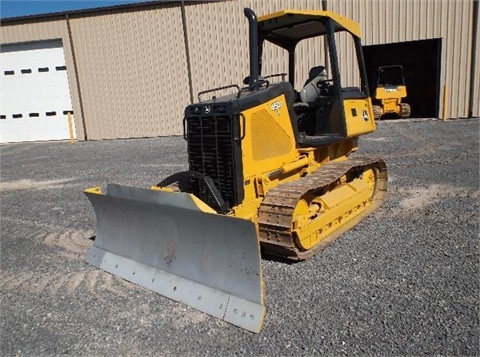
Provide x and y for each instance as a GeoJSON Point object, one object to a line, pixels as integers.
{"type": "Point", "coordinates": [165, 242]}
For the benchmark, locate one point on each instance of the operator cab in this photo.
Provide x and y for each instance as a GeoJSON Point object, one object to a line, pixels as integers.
{"type": "Point", "coordinates": [324, 111]}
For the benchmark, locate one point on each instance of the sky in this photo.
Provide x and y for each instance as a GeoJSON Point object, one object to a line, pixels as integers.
{"type": "Point", "coordinates": [14, 8]}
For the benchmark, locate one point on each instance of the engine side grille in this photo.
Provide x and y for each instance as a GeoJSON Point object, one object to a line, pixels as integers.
{"type": "Point", "coordinates": [275, 144]}
{"type": "Point", "coordinates": [211, 152]}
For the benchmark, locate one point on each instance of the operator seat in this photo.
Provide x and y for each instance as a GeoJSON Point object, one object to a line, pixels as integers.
{"type": "Point", "coordinates": [314, 104]}
{"type": "Point", "coordinates": [312, 88]}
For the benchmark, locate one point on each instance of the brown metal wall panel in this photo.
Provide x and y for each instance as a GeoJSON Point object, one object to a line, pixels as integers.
{"type": "Point", "coordinates": [133, 72]}
{"type": "Point", "coordinates": [476, 86]}
{"type": "Point", "coordinates": [456, 59]}
{"type": "Point", "coordinates": [218, 45]}
{"type": "Point", "coordinates": [452, 59]}
{"type": "Point", "coordinates": [218, 37]}
{"type": "Point", "coordinates": [47, 30]}
{"type": "Point", "coordinates": [465, 14]}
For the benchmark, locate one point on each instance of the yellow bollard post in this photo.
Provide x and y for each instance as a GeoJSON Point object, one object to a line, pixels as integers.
{"type": "Point", "coordinates": [445, 102]}
{"type": "Point", "coordinates": [70, 128]}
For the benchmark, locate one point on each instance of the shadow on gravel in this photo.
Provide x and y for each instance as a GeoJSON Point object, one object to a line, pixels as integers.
{"type": "Point", "coordinates": [273, 258]}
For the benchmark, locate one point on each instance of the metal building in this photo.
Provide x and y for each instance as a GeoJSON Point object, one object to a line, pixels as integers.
{"type": "Point", "coordinates": [128, 71]}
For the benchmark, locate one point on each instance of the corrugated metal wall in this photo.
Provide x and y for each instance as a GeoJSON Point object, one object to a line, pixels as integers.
{"type": "Point", "coordinates": [476, 84]}
{"type": "Point", "coordinates": [133, 71]}
{"type": "Point", "coordinates": [218, 40]}
{"type": "Point", "coordinates": [132, 62]}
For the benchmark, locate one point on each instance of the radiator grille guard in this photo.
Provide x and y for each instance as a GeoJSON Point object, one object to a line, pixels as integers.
{"type": "Point", "coordinates": [213, 136]}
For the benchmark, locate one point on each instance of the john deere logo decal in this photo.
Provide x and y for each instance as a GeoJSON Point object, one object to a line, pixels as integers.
{"type": "Point", "coordinates": [365, 115]}
{"type": "Point", "coordinates": [276, 107]}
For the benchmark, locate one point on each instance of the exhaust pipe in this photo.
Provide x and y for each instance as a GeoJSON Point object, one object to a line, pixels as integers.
{"type": "Point", "coordinates": [253, 48]}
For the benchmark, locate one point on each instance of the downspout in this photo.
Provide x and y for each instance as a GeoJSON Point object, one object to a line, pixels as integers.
{"type": "Point", "coordinates": [253, 47]}
{"type": "Point", "coordinates": [77, 78]}
{"type": "Point", "coordinates": [474, 57]}
{"type": "Point", "coordinates": [187, 51]}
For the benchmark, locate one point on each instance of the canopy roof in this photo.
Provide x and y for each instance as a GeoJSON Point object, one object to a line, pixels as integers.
{"type": "Point", "coordinates": [288, 27]}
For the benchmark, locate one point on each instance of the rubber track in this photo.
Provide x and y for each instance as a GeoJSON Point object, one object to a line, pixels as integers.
{"type": "Point", "coordinates": [377, 112]}
{"type": "Point", "coordinates": [276, 210]}
{"type": "Point", "coordinates": [405, 110]}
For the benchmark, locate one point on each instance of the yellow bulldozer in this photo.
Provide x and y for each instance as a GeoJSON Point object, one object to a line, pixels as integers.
{"type": "Point", "coordinates": [270, 172]}
{"type": "Point", "coordinates": [389, 92]}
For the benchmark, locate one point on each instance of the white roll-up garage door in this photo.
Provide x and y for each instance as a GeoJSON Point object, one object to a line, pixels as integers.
{"type": "Point", "coordinates": [35, 96]}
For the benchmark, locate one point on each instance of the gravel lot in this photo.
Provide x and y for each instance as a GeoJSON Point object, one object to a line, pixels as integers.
{"type": "Point", "coordinates": [405, 281]}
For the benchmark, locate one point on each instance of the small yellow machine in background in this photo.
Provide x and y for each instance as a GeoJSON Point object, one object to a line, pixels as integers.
{"type": "Point", "coordinates": [390, 91]}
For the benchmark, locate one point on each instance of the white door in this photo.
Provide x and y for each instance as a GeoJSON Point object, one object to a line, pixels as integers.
{"type": "Point", "coordinates": [35, 96]}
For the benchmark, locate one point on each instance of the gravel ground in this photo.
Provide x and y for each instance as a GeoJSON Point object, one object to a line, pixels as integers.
{"type": "Point", "coordinates": [405, 281]}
